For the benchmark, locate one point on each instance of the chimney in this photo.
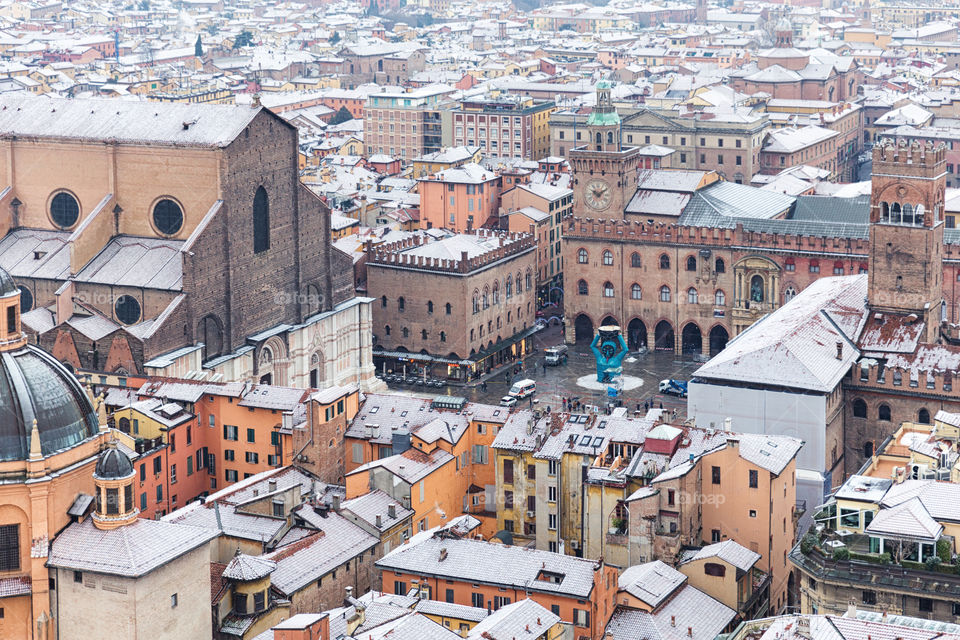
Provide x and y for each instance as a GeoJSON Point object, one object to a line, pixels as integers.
{"type": "Point", "coordinates": [349, 592]}
{"type": "Point", "coordinates": [689, 632]}
{"type": "Point", "coordinates": [851, 609]}
{"type": "Point", "coordinates": [379, 521]}
{"type": "Point", "coordinates": [839, 350]}
{"type": "Point", "coordinates": [336, 502]}
{"type": "Point", "coordinates": [272, 485]}
{"type": "Point", "coordinates": [728, 424]}
{"type": "Point", "coordinates": [391, 511]}
{"type": "Point", "coordinates": [673, 621]}
{"type": "Point", "coordinates": [443, 554]}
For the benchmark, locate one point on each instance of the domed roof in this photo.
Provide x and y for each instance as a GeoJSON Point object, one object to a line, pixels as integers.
{"type": "Point", "coordinates": [113, 464]}
{"type": "Point", "coordinates": [7, 285]}
{"type": "Point", "coordinates": [35, 386]}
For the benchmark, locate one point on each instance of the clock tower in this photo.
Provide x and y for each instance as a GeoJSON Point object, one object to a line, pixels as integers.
{"type": "Point", "coordinates": [604, 171]}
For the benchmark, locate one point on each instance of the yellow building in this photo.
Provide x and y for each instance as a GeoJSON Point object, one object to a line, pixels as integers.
{"type": "Point", "coordinates": [445, 159]}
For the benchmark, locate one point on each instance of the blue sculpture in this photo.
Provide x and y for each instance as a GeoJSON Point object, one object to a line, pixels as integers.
{"type": "Point", "coordinates": [609, 348]}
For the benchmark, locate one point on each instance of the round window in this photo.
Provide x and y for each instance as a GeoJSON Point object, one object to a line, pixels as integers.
{"type": "Point", "coordinates": [26, 300]}
{"type": "Point", "coordinates": [127, 309]}
{"type": "Point", "coordinates": [64, 210]}
{"type": "Point", "coordinates": [167, 217]}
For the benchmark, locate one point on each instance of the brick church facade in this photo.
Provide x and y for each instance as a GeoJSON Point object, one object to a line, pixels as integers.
{"type": "Point", "coordinates": [175, 240]}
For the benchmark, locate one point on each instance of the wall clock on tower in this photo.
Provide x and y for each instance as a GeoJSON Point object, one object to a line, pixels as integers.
{"type": "Point", "coordinates": [598, 194]}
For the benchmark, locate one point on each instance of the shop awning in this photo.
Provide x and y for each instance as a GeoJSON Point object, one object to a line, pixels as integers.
{"type": "Point", "coordinates": [499, 346]}
{"type": "Point", "coordinates": [420, 357]}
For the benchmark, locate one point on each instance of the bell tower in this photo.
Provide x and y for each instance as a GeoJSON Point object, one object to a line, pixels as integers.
{"type": "Point", "coordinates": [906, 231]}
{"type": "Point", "coordinates": [604, 171]}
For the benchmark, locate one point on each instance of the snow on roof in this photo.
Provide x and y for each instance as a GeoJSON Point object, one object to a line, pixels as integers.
{"type": "Point", "coordinates": [907, 520]}
{"type": "Point", "coordinates": [795, 346]}
{"type": "Point", "coordinates": [729, 551]}
{"type": "Point", "coordinates": [651, 583]}
{"type": "Point", "coordinates": [178, 124]}
{"type": "Point", "coordinates": [793, 139]}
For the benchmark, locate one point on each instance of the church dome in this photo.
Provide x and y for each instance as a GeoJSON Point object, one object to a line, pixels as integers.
{"type": "Point", "coordinates": [34, 386]}
{"type": "Point", "coordinates": [7, 286]}
{"type": "Point", "coordinates": [113, 464]}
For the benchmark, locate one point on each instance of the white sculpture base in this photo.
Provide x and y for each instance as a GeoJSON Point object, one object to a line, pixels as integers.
{"type": "Point", "coordinates": [590, 382]}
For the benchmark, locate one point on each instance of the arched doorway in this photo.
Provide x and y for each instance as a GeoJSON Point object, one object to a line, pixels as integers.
{"type": "Point", "coordinates": [691, 339]}
{"type": "Point", "coordinates": [609, 321]}
{"type": "Point", "coordinates": [583, 328]}
{"type": "Point", "coordinates": [636, 334]}
{"type": "Point", "coordinates": [718, 339]}
{"type": "Point", "coordinates": [663, 336]}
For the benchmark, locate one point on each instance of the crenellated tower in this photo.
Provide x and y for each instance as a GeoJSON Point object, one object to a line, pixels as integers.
{"type": "Point", "coordinates": [906, 231]}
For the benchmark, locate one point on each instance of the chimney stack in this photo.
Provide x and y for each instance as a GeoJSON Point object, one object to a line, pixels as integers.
{"type": "Point", "coordinates": [379, 521]}
{"type": "Point", "coordinates": [392, 511]}
{"type": "Point", "coordinates": [839, 350]}
{"type": "Point", "coordinates": [336, 502]}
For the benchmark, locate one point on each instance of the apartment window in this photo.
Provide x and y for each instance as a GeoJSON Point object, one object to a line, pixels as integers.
{"type": "Point", "coordinates": [399, 588]}
{"type": "Point", "coordinates": [552, 466]}
{"type": "Point", "coordinates": [869, 597]}
{"type": "Point", "coordinates": [715, 535]}
{"type": "Point", "coordinates": [449, 596]}
{"type": "Point", "coordinates": [229, 455]}
{"type": "Point", "coordinates": [753, 513]}
{"type": "Point", "coordinates": [476, 600]}
{"type": "Point", "coordinates": [252, 457]}
{"type": "Point", "coordinates": [671, 497]}
{"type": "Point", "coordinates": [251, 435]}
{"type": "Point", "coordinates": [174, 601]}
{"type": "Point", "coordinates": [551, 494]}
{"type": "Point", "coordinates": [173, 474]}
{"type": "Point", "coordinates": [357, 452]}
{"type": "Point", "coordinates": [703, 142]}
{"type": "Point", "coordinates": [720, 158]}
{"type": "Point", "coordinates": [78, 577]}
{"type": "Point", "coordinates": [157, 465]}
{"type": "Point", "coordinates": [508, 524]}
{"type": "Point", "coordinates": [715, 475]}
{"type": "Point", "coordinates": [925, 605]}
{"type": "Point", "coordinates": [814, 266]}
{"type": "Point", "coordinates": [714, 569]}
{"type": "Point", "coordinates": [581, 618]}
{"type": "Point", "coordinates": [703, 158]}
{"type": "Point", "coordinates": [230, 474]}
{"type": "Point", "coordinates": [508, 471]}
{"type": "Point", "coordinates": [753, 479]}
{"type": "Point", "coordinates": [552, 521]}
{"type": "Point", "coordinates": [683, 158]}
{"type": "Point", "coordinates": [508, 499]}
{"type": "Point", "coordinates": [230, 432]}
{"type": "Point", "coordinates": [739, 160]}
{"type": "Point", "coordinates": [159, 493]}
{"type": "Point", "coordinates": [189, 465]}
{"type": "Point", "coordinates": [500, 601]}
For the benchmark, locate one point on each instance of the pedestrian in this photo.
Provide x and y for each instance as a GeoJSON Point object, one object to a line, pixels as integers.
{"type": "Point", "coordinates": [564, 400]}
{"type": "Point", "coordinates": [544, 368]}
{"type": "Point", "coordinates": [638, 406]}
{"type": "Point", "coordinates": [661, 405]}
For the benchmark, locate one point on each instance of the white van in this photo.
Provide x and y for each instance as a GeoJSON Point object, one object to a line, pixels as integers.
{"type": "Point", "coordinates": [523, 389]}
{"type": "Point", "coordinates": [555, 355]}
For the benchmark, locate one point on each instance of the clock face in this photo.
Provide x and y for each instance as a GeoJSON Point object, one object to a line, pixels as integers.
{"type": "Point", "coordinates": [598, 194]}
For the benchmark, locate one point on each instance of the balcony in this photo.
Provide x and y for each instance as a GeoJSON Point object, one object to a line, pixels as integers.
{"type": "Point", "coordinates": [870, 572]}
{"type": "Point", "coordinates": [759, 601]}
